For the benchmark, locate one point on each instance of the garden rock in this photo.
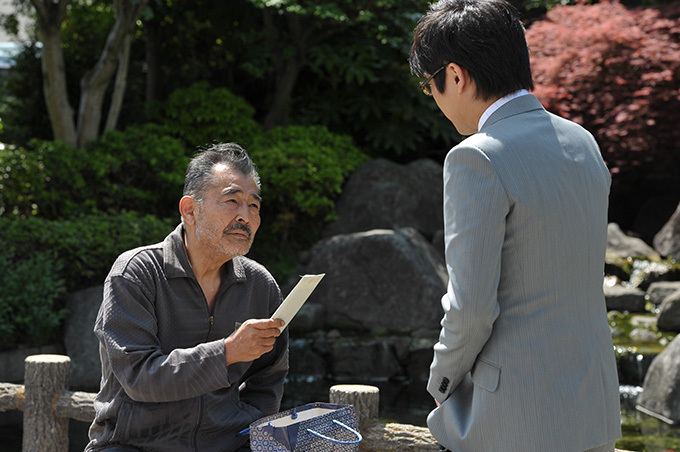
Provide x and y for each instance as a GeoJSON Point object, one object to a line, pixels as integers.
{"type": "Point", "coordinates": [382, 194]}
{"type": "Point", "coordinates": [669, 314]}
{"type": "Point", "coordinates": [622, 245]}
{"type": "Point", "coordinates": [81, 344]}
{"type": "Point", "coordinates": [667, 240]}
{"type": "Point", "coordinates": [381, 279]}
{"type": "Point", "coordinates": [308, 318]}
{"type": "Point", "coordinates": [653, 214]}
{"type": "Point", "coordinates": [305, 361]}
{"type": "Point", "coordinates": [376, 359]}
{"type": "Point", "coordinates": [619, 298]}
{"type": "Point", "coordinates": [658, 291]}
{"type": "Point", "coordinates": [660, 395]}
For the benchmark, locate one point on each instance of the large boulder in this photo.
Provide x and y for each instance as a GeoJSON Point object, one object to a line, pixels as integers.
{"type": "Point", "coordinates": [667, 240]}
{"type": "Point", "coordinates": [385, 195]}
{"type": "Point", "coordinates": [658, 291]}
{"type": "Point", "coordinates": [81, 344]}
{"type": "Point", "coordinates": [622, 245]}
{"type": "Point", "coordinates": [628, 299]}
{"type": "Point", "coordinates": [379, 280]}
{"type": "Point", "coordinates": [652, 215]}
{"type": "Point", "coordinates": [669, 313]}
{"type": "Point", "coordinates": [661, 389]}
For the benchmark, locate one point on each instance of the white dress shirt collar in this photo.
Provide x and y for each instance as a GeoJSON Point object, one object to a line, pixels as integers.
{"type": "Point", "coordinates": [498, 104]}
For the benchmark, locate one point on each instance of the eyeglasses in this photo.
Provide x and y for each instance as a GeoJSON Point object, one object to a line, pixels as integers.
{"type": "Point", "coordinates": [425, 85]}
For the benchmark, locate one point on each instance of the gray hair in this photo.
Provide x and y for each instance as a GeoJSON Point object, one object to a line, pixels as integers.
{"type": "Point", "coordinates": [200, 176]}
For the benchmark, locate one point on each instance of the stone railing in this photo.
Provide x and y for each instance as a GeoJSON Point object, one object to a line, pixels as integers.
{"type": "Point", "coordinates": [48, 405]}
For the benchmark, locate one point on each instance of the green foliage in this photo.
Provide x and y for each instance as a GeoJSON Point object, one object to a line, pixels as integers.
{"type": "Point", "coordinates": [646, 434]}
{"type": "Point", "coordinates": [355, 79]}
{"type": "Point", "coordinates": [31, 289]}
{"type": "Point", "coordinates": [302, 171]}
{"type": "Point", "coordinates": [84, 33]}
{"type": "Point", "coordinates": [200, 115]}
{"type": "Point", "coordinates": [45, 178]}
{"type": "Point", "coordinates": [84, 248]}
{"type": "Point", "coordinates": [43, 259]}
{"type": "Point", "coordinates": [22, 105]}
{"type": "Point", "coordinates": [136, 169]}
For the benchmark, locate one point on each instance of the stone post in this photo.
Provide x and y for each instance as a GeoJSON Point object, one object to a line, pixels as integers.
{"type": "Point", "coordinates": [45, 378]}
{"type": "Point", "coordinates": [365, 399]}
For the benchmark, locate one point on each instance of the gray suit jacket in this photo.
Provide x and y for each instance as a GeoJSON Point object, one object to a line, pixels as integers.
{"type": "Point", "coordinates": [525, 360]}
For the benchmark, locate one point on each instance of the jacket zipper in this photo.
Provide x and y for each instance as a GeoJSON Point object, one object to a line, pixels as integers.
{"type": "Point", "coordinates": [211, 322]}
{"type": "Point", "coordinates": [198, 424]}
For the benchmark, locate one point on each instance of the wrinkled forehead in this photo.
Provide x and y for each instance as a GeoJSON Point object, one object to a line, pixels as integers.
{"type": "Point", "coordinates": [225, 177]}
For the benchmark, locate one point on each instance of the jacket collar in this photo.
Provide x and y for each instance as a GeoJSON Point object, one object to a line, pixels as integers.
{"type": "Point", "coordinates": [514, 107]}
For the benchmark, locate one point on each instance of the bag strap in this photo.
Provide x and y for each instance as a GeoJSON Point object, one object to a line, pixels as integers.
{"type": "Point", "coordinates": [337, 441]}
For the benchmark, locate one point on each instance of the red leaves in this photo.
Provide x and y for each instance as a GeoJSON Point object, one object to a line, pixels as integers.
{"type": "Point", "coordinates": [616, 71]}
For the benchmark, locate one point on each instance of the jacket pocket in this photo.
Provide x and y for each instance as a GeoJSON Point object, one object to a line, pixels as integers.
{"type": "Point", "coordinates": [145, 422]}
{"type": "Point", "coordinates": [486, 375]}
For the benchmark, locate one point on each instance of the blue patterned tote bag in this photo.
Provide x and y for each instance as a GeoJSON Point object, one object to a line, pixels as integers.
{"type": "Point", "coordinates": [315, 427]}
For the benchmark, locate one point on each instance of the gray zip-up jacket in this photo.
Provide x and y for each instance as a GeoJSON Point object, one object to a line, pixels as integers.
{"type": "Point", "coordinates": [165, 383]}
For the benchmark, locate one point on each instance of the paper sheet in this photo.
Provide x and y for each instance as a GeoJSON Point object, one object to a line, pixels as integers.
{"type": "Point", "coordinates": [296, 298]}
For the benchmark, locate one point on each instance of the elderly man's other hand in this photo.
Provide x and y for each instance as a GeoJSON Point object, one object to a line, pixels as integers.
{"type": "Point", "coordinates": [253, 339]}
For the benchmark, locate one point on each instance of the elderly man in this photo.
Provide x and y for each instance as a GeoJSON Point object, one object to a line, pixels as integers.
{"type": "Point", "coordinates": [189, 355]}
{"type": "Point", "coordinates": [525, 361]}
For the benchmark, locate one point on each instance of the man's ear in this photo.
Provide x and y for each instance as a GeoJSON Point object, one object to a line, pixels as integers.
{"type": "Point", "coordinates": [188, 207]}
{"type": "Point", "coordinates": [461, 77]}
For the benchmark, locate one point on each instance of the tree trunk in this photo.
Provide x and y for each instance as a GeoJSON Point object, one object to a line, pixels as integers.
{"type": "Point", "coordinates": [50, 16]}
{"type": "Point", "coordinates": [119, 86]}
{"type": "Point", "coordinates": [287, 72]}
{"type": "Point", "coordinates": [153, 49]}
{"type": "Point", "coordinates": [95, 82]}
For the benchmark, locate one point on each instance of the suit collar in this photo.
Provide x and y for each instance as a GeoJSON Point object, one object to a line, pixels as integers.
{"type": "Point", "coordinates": [515, 106]}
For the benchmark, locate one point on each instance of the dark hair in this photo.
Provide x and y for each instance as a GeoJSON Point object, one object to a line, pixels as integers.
{"type": "Point", "coordinates": [485, 37]}
{"type": "Point", "coordinates": [199, 176]}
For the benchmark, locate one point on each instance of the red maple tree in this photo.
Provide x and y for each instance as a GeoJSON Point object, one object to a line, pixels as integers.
{"type": "Point", "coordinates": [616, 71]}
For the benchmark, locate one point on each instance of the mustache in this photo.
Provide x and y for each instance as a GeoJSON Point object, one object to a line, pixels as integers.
{"type": "Point", "coordinates": [240, 226]}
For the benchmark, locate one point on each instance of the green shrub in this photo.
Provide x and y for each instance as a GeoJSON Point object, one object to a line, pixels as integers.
{"type": "Point", "coordinates": [45, 178]}
{"type": "Point", "coordinates": [199, 115]}
{"type": "Point", "coordinates": [135, 169]}
{"type": "Point", "coordinates": [138, 169]}
{"type": "Point", "coordinates": [84, 247]}
{"type": "Point", "coordinates": [302, 170]}
{"type": "Point", "coordinates": [31, 289]}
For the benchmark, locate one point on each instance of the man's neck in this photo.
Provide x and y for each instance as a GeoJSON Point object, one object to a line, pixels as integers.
{"type": "Point", "coordinates": [205, 263]}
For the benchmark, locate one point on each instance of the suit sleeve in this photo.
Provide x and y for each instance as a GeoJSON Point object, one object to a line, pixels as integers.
{"type": "Point", "coordinates": [475, 209]}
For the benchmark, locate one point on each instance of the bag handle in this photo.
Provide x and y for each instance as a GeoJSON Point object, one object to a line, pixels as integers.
{"type": "Point", "coordinates": [337, 441]}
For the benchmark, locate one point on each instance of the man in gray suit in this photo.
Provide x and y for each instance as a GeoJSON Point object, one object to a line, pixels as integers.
{"type": "Point", "coordinates": [525, 361]}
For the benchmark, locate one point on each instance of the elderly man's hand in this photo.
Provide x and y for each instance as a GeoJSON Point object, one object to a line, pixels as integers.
{"type": "Point", "coordinates": [253, 339]}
